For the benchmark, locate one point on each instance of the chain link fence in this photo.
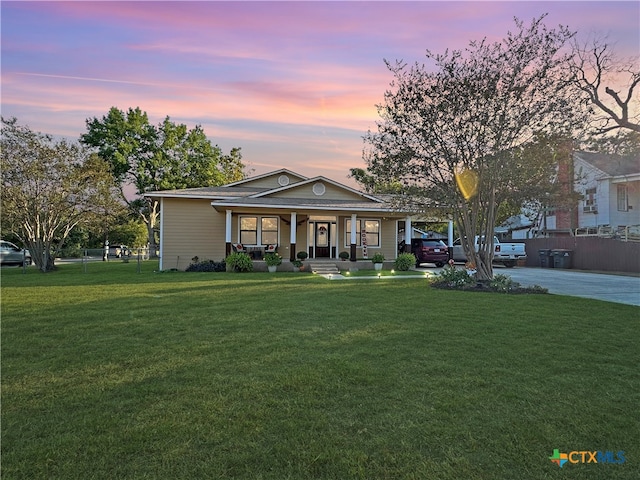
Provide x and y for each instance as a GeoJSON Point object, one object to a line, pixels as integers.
{"type": "Point", "coordinates": [112, 253]}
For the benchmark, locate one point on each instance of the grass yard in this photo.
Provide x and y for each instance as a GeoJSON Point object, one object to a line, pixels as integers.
{"type": "Point", "coordinates": [113, 374]}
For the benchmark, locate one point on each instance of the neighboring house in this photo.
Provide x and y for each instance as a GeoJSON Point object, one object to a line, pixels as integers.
{"type": "Point", "coordinates": [609, 190]}
{"type": "Point", "coordinates": [316, 215]}
{"type": "Point", "coordinates": [517, 227]}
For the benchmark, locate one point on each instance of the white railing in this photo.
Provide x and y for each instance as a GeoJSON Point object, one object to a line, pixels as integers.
{"type": "Point", "coordinates": [628, 233]}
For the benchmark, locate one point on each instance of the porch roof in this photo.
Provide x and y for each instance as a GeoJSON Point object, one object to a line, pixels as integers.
{"type": "Point", "coordinates": [269, 192]}
{"type": "Point", "coordinates": [304, 204]}
{"type": "Point", "coordinates": [220, 192]}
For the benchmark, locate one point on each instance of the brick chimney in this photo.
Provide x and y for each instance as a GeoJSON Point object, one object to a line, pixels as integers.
{"type": "Point", "coordinates": [567, 210]}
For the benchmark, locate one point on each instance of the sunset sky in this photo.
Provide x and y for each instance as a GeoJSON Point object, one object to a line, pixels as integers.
{"type": "Point", "coordinates": [294, 84]}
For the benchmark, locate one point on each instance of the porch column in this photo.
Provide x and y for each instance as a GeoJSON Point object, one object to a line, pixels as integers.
{"type": "Point", "coordinates": [408, 233]}
{"type": "Point", "coordinates": [354, 238]}
{"type": "Point", "coordinates": [450, 239]}
{"type": "Point", "coordinates": [227, 233]}
{"type": "Point", "coordinates": [293, 236]}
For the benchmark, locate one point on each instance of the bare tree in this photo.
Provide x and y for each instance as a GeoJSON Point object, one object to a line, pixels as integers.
{"type": "Point", "coordinates": [608, 84]}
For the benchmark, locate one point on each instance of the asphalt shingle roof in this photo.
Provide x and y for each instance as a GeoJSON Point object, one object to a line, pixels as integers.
{"type": "Point", "coordinates": [614, 165]}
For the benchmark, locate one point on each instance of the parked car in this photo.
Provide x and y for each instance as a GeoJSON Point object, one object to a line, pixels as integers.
{"type": "Point", "coordinates": [430, 251]}
{"type": "Point", "coordinates": [507, 254]}
{"type": "Point", "coordinates": [118, 251]}
{"type": "Point", "coordinates": [10, 254]}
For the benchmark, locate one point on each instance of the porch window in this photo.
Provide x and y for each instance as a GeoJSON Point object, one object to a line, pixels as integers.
{"type": "Point", "coordinates": [248, 230]}
{"type": "Point", "coordinates": [269, 230]}
{"type": "Point", "coordinates": [623, 199]}
{"type": "Point", "coordinates": [263, 228]}
{"type": "Point", "coordinates": [372, 227]}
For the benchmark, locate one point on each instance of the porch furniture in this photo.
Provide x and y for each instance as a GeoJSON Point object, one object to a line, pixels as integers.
{"type": "Point", "coordinates": [238, 248]}
{"type": "Point", "coordinates": [271, 248]}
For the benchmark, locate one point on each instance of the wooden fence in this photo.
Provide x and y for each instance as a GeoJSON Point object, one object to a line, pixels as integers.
{"type": "Point", "coordinates": [589, 253]}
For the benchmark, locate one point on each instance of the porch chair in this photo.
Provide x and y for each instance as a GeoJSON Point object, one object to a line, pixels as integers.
{"type": "Point", "coordinates": [238, 248]}
{"type": "Point", "coordinates": [271, 248]}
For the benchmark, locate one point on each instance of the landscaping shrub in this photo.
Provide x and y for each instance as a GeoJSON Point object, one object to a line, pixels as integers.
{"type": "Point", "coordinates": [461, 279]}
{"type": "Point", "coordinates": [378, 258]}
{"type": "Point", "coordinates": [405, 261]}
{"type": "Point", "coordinates": [207, 266]}
{"type": "Point", "coordinates": [239, 262]}
{"type": "Point", "coordinates": [273, 259]}
{"type": "Point", "coordinates": [503, 283]}
{"type": "Point", "coordinates": [452, 277]}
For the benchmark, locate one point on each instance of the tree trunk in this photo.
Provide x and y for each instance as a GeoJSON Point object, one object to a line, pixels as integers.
{"type": "Point", "coordinates": [41, 254]}
{"type": "Point", "coordinates": [151, 221]}
{"type": "Point", "coordinates": [476, 217]}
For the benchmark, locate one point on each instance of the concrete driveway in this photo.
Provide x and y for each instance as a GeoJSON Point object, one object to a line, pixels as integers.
{"type": "Point", "coordinates": [576, 283]}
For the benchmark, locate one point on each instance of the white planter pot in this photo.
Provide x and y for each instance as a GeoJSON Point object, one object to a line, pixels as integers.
{"type": "Point", "coordinates": [377, 266]}
{"type": "Point", "coordinates": [272, 268]}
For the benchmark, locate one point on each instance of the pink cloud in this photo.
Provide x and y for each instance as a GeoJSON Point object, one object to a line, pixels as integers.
{"type": "Point", "coordinates": [286, 81]}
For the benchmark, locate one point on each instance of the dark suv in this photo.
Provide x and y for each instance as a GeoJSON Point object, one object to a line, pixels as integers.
{"type": "Point", "coordinates": [430, 251]}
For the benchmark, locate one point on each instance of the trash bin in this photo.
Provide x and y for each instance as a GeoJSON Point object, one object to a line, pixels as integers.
{"type": "Point", "coordinates": [561, 258]}
{"type": "Point", "coordinates": [545, 258]}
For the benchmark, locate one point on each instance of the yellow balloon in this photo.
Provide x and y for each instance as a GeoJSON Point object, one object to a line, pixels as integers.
{"type": "Point", "coordinates": [467, 181]}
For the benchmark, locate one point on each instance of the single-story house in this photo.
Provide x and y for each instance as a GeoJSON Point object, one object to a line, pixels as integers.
{"type": "Point", "coordinates": [282, 209]}
{"type": "Point", "coordinates": [516, 227]}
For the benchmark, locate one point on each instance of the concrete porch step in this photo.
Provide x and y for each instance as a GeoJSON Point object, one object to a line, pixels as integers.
{"type": "Point", "coordinates": [324, 268]}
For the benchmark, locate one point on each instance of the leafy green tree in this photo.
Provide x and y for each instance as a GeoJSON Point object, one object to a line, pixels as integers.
{"type": "Point", "coordinates": [152, 158]}
{"type": "Point", "coordinates": [49, 188]}
{"type": "Point", "coordinates": [454, 134]}
{"type": "Point", "coordinates": [132, 233]}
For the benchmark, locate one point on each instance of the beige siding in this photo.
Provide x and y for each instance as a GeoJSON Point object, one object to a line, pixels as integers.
{"type": "Point", "coordinates": [389, 239]}
{"type": "Point", "coordinates": [191, 227]}
{"type": "Point", "coordinates": [331, 193]}
{"type": "Point", "coordinates": [271, 181]}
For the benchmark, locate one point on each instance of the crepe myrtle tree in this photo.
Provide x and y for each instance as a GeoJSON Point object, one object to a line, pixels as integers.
{"type": "Point", "coordinates": [455, 133]}
{"type": "Point", "coordinates": [162, 157]}
{"type": "Point", "coordinates": [49, 188]}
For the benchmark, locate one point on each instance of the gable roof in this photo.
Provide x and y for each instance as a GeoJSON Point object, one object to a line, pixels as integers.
{"type": "Point", "coordinates": [316, 180]}
{"type": "Point", "coordinates": [280, 173]}
{"type": "Point", "coordinates": [611, 164]}
{"type": "Point", "coordinates": [283, 189]}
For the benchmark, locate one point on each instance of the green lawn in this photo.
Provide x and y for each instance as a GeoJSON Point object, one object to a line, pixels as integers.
{"type": "Point", "coordinates": [114, 374]}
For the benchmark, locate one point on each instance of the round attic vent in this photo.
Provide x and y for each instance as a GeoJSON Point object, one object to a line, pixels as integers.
{"type": "Point", "coordinates": [283, 180]}
{"type": "Point", "coordinates": [319, 188]}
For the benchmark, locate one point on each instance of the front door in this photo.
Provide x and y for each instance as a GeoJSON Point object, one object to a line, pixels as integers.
{"type": "Point", "coordinates": [323, 239]}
